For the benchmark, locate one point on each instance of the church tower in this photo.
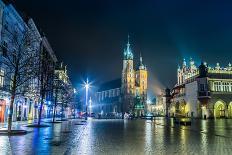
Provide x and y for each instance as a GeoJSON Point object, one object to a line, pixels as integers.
{"type": "Point", "coordinates": [128, 79]}
{"type": "Point", "coordinates": [141, 86]}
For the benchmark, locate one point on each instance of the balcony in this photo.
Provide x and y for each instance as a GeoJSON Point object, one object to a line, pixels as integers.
{"type": "Point", "coordinates": [204, 94]}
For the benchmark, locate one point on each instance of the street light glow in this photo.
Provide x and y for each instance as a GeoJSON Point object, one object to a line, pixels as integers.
{"type": "Point", "coordinates": [87, 86]}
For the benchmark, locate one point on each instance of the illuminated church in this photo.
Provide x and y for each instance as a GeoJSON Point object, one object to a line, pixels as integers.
{"type": "Point", "coordinates": [127, 94]}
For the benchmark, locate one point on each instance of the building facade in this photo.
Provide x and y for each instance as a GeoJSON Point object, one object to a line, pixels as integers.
{"type": "Point", "coordinates": [28, 95]}
{"type": "Point", "coordinates": [131, 92]}
{"type": "Point", "coordinates": [203, 92]}
{"type": "Point", "coordinates": [63, 92]}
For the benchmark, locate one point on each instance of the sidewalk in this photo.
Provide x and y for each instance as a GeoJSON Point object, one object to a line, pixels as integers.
{"type": "Point", "coordinates": [17, 124]}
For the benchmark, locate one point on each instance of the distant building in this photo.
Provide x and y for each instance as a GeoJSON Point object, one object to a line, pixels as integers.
{"type": "Point", "coordinates": [109, 97]}
{"type": "Point", "coordinates": [63, 91]}
{"type": "Point", "coordinates": [159, 105]}
{"type": "Point", "coordinates": [131, 89]}
{"type": "Point", "coordinates": [204, 91]}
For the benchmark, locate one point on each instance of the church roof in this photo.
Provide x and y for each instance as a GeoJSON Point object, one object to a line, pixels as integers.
{"type": "Point", "coordinates": [128, 55]}
{"type": "Point", "coordinates": [110, 85]}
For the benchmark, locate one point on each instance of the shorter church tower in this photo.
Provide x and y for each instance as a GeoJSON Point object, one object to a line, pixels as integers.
{"type": "Point", "coordinates": [141, 87]}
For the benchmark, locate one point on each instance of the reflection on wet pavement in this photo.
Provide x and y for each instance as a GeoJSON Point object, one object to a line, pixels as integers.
{"type": "Point", "coordinates": [160, 136]}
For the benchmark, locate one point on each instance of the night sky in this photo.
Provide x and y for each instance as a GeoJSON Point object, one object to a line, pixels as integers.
{"type": "Point", "coordinates": [89, 36]}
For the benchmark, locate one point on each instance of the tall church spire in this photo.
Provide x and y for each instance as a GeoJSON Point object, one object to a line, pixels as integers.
{"type": "Point", "coordinates": [128, 40]}
{"type": "Point", "coordinates": [141, 59]}
{"type": "Point", "coordinates": [141, 66]}
{"type": "Point", "coordinates": [128, 55]}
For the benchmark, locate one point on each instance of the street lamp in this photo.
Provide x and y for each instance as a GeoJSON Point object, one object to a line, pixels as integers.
{"type": "Point", "coordinates": [86, 96]}
{"type": "Point", "coordinates": [90, 106]}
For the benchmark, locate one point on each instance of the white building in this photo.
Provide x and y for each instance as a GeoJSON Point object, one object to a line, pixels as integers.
{"type": "Point", "coordinates": [203, 91]}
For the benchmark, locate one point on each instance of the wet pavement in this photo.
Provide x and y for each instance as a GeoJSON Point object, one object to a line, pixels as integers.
{"type": "Point", "coordinates": [160, 136]}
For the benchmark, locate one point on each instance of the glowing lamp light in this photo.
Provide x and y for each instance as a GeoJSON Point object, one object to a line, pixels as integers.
{"type": "Point", "coordinates": [49, 102]}
{"type": "Point", "coordinates": [87, 86]}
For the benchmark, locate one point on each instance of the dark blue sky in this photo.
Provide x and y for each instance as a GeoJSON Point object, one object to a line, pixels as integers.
{"type": "Point", "coordinates": [89, 36]}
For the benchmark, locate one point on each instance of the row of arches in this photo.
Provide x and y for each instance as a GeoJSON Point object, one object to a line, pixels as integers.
{"type": "Point", "coordinates": [178, 109]}
{"type": "Point", "coordinates": [221, 109]}
{"type": "Point", "coordinates": [218, 110]}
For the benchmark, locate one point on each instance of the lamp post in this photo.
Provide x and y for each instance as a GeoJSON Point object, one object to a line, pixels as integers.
{"type": "Point", "coordinates": [86, 97]}
{"type": "Point", "coordinates": [90, 106]}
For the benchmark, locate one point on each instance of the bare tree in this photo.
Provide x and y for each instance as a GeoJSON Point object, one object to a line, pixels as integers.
{"type": "Point", "coordinates": [46, 73]}
{"type": "Point", "coordinates": [58, 91]}
{"type": "Point", "coordinates": [20, 60]}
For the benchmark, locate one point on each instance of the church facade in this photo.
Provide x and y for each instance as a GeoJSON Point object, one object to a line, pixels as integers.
{"type": "Point", "coordinates": [127, 94]}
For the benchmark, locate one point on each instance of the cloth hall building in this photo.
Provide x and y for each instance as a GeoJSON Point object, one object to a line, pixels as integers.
{"type": "Point", "coordinates": [203, 92]}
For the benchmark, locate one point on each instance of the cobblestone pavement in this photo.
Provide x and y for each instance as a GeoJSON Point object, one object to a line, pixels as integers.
{"type": "Point", "coordinates": [160, 136]}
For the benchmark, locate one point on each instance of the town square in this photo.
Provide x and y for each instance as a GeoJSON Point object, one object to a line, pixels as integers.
{"type": "Point", "coordinates": [115, 77]}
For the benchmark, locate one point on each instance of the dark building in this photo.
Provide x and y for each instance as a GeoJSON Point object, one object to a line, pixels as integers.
{"type": "Point", "coordinates": [109, 98]}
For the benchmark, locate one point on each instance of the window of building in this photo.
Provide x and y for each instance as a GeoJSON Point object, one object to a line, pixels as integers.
{"type": "Point", "coordinates": [230, 87]}
{"type": "Point", "coordinates": [99, 97]}
{"type": "Point", "coordinates": [217, 86]}
{"type": "Point", "coordinates": [114, 92]}
{"type": "Point", "coordinates": [110, 93]}
{"type": "Point", "coordinates": [226, 87]}
{"type": "Point", "coordinates": [2, 77]}
{"type": "Point", "coordinates": [118, 92]}
{"type": "Point", "coordinates": [102, 95]}
{"type": "Point", "coordinates": [106, 93]}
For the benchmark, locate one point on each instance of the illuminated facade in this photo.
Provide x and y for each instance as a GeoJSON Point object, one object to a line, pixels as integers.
{"type": "Point", "coordinates": [134, 83]}
{"type": "Point", "coordinates": [63, 91]}
{"type": "Point", "coordinates": [28, 94]}
{"type": "Point", "coordinates": [204, 92]}
{"type": "Point", "coordinates": [131, 91]}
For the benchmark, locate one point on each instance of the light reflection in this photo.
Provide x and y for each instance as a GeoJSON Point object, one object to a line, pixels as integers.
{"type": "Point", "coordinates": [85, 142]}
{"type": "Point", "coordinates": [5, 147]}
{"type": "Point", "coordinates": [148, 135]}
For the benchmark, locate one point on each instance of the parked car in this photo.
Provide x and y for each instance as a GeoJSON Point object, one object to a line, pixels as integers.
{"type": "Point", "coordinates": [149, 116]}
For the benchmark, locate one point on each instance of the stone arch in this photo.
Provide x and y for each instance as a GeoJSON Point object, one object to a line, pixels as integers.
{"type": "Point", "coordinates": [182, 108]}
{"type": "Point", "coordinates": [219, 109]}
{"type": "Point", "coordinates": [230, 110]}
